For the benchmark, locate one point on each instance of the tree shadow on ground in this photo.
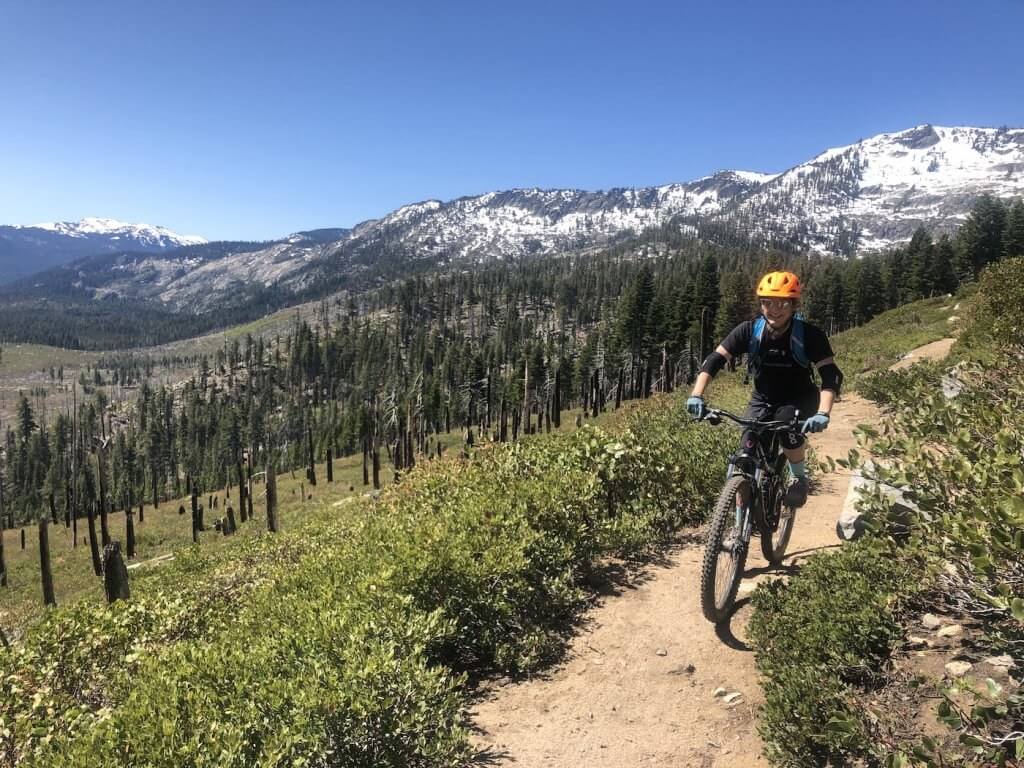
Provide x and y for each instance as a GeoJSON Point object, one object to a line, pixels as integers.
{"type": "Point", "coordinates": [488, 755]}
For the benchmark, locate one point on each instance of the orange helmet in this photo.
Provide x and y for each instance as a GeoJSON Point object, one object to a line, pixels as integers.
{"type": "Point", "coordinates": [780, 285]}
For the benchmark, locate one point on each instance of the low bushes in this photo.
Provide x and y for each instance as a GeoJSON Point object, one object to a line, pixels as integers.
{"type": "Point", "coordinates": [347, 645]}
{"type": "Point", "coordinates": [818, 640]}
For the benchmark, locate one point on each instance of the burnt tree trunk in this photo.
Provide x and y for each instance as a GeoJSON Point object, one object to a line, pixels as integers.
{"type": "Point", "coordinates": [330, 464]}
{"type": "Point", "coordinates": [156, 494]}
{"type": "Point", "coordinates": [130, 533]}
{"type": "Point", "coordinates": [3, 558]}
{"type": "Point", "coordinates": [97, 565]}
{"type": "Point", "coordinates": [312, 465]}
{"type": "Point", "coordinates": [556, 406]}
{"type": "Point", "coordinates": [115, 573]}
{"type": "Point", "coordinates": [366, 462]}
{"type": "Point", "coordinates": [242, 510]}
{"type": "Point", "coordinates": [104, 526]}
{"type": "Point", "coordinates": [195, 515]}
{"type": "Point", "coordinates": [271, 497]}
{"type": "Point", "coordinates": [49, 598]}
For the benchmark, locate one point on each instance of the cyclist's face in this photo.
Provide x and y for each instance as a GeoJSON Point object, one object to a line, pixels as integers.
{"type": "Point", "coordinates": [777, 312]}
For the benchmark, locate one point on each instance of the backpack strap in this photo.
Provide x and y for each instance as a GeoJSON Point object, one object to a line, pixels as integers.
{"type": "Point", "coordinates": [754, 348]}
{"type": "Point", "coordinates": [796, 344]}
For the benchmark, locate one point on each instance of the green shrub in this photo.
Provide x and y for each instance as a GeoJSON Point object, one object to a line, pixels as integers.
{"type": "Point", "coordinates": [890, 387]}
{"type": "Point", "coordinates": [817, 639]}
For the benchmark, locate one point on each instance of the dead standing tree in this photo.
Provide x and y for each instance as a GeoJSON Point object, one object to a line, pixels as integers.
{"type": "Point", "coordinates": [115, 573]}
{"type": "Point", "coordinates": [271, 496]}
{"type": "Point", "coordinates": [49, 598]}
{"type": "Point", "coordinates": [311, 472]}
{"type": "Point", "coordinates": [100, 449]}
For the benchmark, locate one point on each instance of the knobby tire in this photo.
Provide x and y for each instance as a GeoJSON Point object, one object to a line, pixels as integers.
{"type": "Point", "coordinates": [774, 543]}
{"type": "Point", "coordinates": [723, 519]}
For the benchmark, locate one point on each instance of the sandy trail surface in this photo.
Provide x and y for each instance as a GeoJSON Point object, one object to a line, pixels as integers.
{"type": "Point", "coordinates": [638, 684]}
{"type": "Point", "coordinates": [934, 351]}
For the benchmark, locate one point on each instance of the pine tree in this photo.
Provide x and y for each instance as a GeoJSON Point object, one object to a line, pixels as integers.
{"type": "Point", "coordinates": [1013, 235]}
{"type": "Point", "coordinates": [704, 304]}
{"type": "Point", "coordinates": [919, 261]}
{"type": "Point", "coordinates": [945, 279]}
{"type": "Point", "coordinates": [815, 300]}
{"type": "Point", "coordinates": [633, 312]}
{"type": "Point", "coordinates": [868, 298]}
{"type": "Point", "coordinates": [736, 303]}
{"type": "Point", "coordinates": [980, 239]}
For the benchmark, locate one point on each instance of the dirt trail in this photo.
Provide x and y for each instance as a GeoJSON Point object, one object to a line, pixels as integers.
{"type": "Point", "coordinates": [637, 688]}
{"type": "Point", "coordinates": [934, 351]}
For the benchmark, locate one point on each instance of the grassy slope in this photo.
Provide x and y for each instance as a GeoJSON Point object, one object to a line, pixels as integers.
{"type": "Point", "coordinates": [880, 343]}
{"type": "Point", "coordinates": [165, 531]}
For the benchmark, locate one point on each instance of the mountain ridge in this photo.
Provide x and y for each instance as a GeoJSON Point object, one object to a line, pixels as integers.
{"type": "Point", "coordinates": [27, 249]}
{"type": "Point", "coordinates": [859, 197]}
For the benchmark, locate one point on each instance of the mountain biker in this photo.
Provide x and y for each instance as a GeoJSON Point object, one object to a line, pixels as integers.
{"type": "Point", "coordinates": [780, 350]}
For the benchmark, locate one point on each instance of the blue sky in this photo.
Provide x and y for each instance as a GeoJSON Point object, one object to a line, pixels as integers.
{"type": "Point", "coordinates": [252, 119]}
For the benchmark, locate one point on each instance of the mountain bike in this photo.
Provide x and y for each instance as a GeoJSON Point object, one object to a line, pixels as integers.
{"type": "Point", "coordinates": [752, 499]}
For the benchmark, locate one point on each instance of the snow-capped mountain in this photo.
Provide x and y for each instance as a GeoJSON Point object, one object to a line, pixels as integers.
{"type": "Point", "coordinates": [28, 249]}
{"type": "Point", "coordinates": [137, 234]}
{"type": "Point", "coordinates": [860, 197]}
{"type": "Point", "coordinates": [875, 193]}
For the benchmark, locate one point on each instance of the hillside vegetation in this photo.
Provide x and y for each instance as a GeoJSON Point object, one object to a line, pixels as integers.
{"type": "Point", "coordinates": [347, 639]}
{"type": "Point", "coordinates": [346, 643]}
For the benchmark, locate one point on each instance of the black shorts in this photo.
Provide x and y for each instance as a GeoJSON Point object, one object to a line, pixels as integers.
{"type": "Point", "coordinates": [759, 408]}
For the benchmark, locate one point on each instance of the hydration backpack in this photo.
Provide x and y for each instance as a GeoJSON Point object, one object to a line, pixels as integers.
{"type": "Point", "coordinates": [796, 344]}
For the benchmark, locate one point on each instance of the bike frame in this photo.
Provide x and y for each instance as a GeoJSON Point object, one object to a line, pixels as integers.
{"type": "Point", "coordinates": [762, 463]}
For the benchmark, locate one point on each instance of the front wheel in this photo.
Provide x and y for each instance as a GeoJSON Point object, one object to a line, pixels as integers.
{"type": "Point", "coordinates": [725, 550]}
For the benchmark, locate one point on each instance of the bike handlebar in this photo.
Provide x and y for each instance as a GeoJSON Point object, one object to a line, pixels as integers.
{"type": "Point", "coordinates": [714, 416]}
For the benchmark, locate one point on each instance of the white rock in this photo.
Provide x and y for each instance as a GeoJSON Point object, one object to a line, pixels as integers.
{"type": "Point", "coordinates": [1005, 661]}
{"type": "Point", "coordinates": [931, 621]}
{"type": "Point", "coordinates": [958, 668]}
{"type": "Point", "coordinates": [951, 631]}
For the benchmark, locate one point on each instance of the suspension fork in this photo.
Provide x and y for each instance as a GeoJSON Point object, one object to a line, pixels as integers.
{"type": "Point", "coordinates": [745, 511]}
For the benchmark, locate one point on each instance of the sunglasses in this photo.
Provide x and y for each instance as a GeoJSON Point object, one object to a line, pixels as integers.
{"type": "Point", "coordinates": [776, 303]}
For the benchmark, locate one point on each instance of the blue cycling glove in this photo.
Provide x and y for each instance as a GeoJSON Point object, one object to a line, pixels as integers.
{"type": "Point", "coordinates": [817, 423]}
{"type": "Point", "coordinates": [695, 406]}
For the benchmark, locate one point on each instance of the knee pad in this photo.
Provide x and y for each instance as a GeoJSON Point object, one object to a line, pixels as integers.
{"type": "Point", "coordinates": [792, 440]}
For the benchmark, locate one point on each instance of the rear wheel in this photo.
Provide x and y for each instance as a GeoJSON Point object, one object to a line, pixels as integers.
{"type": "Point", "coordinates": [725, 551]}
{"type": "Point", "coordinates": [774, 543]}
